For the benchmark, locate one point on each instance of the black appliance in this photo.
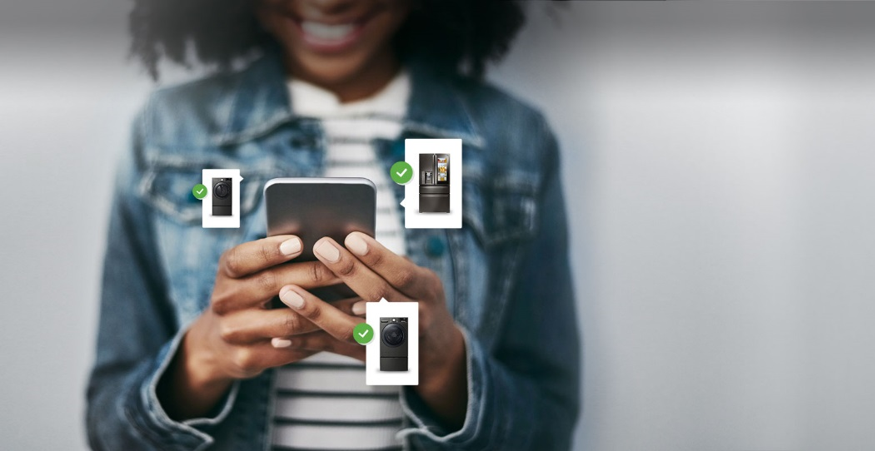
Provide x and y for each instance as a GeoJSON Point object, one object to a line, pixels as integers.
{"type": "Point", "coordinates": [393, 344]}
{"type": "Point", "coordinates": [434, 183]}
{"type": "Point", "coordinates": [222, 196]}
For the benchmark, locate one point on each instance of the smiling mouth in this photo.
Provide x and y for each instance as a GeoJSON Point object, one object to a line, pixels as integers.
{"type": "Point", "coordinates": [328, 34]}
{"type": "Point", "coordinates": [331, 37]}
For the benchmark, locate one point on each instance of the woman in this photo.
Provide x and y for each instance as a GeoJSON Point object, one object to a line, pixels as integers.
{"type": "Point", "coordinates": [188, 357]}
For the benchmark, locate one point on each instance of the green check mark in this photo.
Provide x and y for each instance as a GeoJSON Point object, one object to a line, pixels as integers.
{"type": "Point", "coordinates": [363, 333]}
{"type": "Point", "coordinates": [199, 191]}
{"type": "Point", "coordinates": [401, 172]}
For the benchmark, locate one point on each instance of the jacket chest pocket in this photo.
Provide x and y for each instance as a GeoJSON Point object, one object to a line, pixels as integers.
{"type": "Point", "coordinates": [188, 252]}
{"type": "Point", "coordinates": [499, 212]}
{"type": "Point", "coordinates": [166, 186]}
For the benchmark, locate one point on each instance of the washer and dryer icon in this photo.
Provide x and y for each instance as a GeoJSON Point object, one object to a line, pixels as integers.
{"type": "Point", "coordinates": [393, 344]}
{"type": "Point", "coordinates": [223, 199]}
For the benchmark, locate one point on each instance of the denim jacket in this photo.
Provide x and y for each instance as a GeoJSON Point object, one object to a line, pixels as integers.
{"type": "Point", "coordinates": [505, 272]}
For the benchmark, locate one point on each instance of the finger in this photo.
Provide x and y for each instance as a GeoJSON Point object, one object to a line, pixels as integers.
{"type": "Point", "coordinates": [322, 341]}
{"type": "Point", "coordinates": [258, 288]}
{"type": "Point", "coordinates": [257, 357]}
{"type": "Point", "coordinates": [319, 312]}
{"type": "Point", "coordinates": [409, 278]}
{"type": "Point", "coordinates": [251, 325]}
{"type": "Point", "coordinates": [278, 352]}
{"type": "Point", "coordinates": [253, 256]}
{"type": "Point", "coordinates": [361, 279]}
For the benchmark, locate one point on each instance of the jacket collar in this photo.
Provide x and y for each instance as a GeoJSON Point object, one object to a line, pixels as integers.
{"type": "Point", "coordinates": [261, 103]}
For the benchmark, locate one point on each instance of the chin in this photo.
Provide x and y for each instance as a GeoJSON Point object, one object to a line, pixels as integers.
{"type": "Point", "coordinates": [333, 70]}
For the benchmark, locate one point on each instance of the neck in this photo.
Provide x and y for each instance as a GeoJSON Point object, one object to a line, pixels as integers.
{"type": "Point", "coordinates": [363, 84]}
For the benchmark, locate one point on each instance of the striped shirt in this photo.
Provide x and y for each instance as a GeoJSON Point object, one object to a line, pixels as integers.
{"type": "Point", "coordinates": [322, 402]}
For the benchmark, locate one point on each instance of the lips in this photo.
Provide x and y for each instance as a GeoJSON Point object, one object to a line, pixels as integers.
{"type": "Point", "coordinates": [325, 37]}
{"type": "Point", "coordinates": [327, 33]}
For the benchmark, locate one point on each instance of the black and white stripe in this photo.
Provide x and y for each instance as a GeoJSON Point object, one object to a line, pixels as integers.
{"type": "Point", "coordinates": [322, 402]}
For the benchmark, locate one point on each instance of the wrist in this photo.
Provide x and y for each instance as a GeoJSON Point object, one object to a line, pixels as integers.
{"type": "Point", "coordinates": [193, 383]}
{"type": "Point", "coordinates": [444, 372]}
{"type": "Point", "coordinates": [199, 361]}
{"type": "Point", "coordinates": [444, 382]}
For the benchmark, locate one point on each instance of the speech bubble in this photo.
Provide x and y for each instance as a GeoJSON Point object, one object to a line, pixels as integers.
{"type": "Point", "coordinates": [414, 151]}
{"type": "Point", "coordinates": [402, 202]}
{"type": "Point", "coordinates": [208, 221]}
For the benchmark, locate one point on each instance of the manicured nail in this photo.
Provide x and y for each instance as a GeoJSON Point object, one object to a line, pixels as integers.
{"type": "Point", "coordinates": [291, 298]}
{"type": "Point", "coordinates": [280, 342]}
{"type": "Point", "coordinates": [359, 308]}
{"type": "Point", "coordinates": [290, 246]}
{"type": "Point", "coordinates": [327, 251]}
{"type": "Point", "coordinates": [356, 244]}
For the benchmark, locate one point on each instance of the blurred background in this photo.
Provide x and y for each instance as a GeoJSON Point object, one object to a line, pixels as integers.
{"type": "Point", "coordinates": [719, 168]}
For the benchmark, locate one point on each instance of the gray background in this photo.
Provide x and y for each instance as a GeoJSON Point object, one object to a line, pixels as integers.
{"type": "Point", "coordinates": [719, 173]}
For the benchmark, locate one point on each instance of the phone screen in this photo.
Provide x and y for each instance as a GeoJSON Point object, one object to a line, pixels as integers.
{"type": "Point", "coordinates": [312, 208]}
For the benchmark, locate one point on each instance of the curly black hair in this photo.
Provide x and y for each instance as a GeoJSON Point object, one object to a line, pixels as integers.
{"type": "Point", "coordinates": [460, 36]}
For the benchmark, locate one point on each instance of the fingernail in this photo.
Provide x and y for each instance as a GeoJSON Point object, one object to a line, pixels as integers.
{"type": "Point", "coordinates": [327, 251]}
{"type": "Point", "coordinates": [290, 246]}
{"type": "Point", "coordinates": [359, 308]}
{"type": "Point", "coordinates": [356, 244]}
{"type": "Point", "coordinates": [291, 298]}
{"type": "Point", "coordinates": [280, 342]}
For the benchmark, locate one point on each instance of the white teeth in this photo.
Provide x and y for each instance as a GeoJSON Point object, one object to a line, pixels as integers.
{"type": "Point", "coordinates": [325, 32]}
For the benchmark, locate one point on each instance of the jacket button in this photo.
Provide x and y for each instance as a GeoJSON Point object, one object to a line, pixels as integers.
{"type": "Point", "coordinates": [435, 246]}
{"type": "Point", "coordinates": [398, 150]}
{"type": "Point", "coordinates": [303, 141]}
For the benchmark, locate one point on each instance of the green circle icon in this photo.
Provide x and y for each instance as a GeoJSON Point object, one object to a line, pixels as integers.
{"type": "Point", "coordinates": [199, 191]}
{"type": "Point", "coordinates": [363, 333]}
{"type": "Point", "coordinates": [401, 172]}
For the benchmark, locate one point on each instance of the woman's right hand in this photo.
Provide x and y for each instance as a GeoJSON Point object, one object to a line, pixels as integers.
{"type": "Point", "coordinates": [238, 336]}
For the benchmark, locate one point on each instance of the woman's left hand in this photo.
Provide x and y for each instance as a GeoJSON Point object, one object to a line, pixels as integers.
{"type": "Point", "coordinates": [374, 272]}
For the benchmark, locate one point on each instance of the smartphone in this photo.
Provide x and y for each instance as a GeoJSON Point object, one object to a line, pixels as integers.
{"type": "Point", "coordinates": [315, 207]}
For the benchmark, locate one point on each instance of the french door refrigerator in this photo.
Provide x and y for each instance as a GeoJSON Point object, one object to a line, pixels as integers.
{"type": "Point", "coordinates": [434, 183]}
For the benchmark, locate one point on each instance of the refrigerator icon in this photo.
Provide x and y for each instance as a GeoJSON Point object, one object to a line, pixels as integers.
{"type": "Point", "coordinates": [434, 183]}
